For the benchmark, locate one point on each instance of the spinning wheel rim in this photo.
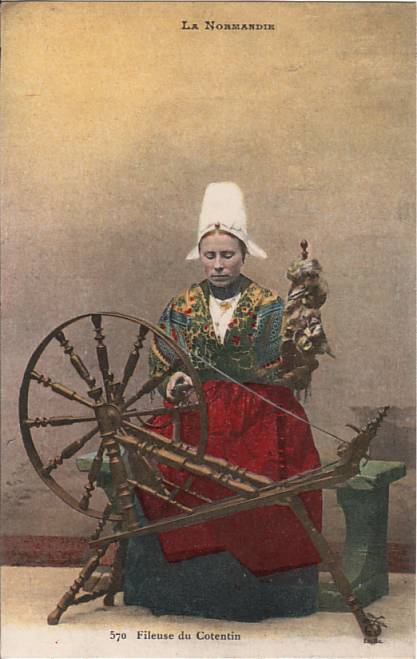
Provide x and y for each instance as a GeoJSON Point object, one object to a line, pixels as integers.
{"type": "Point", "coordinates": [28, 442]}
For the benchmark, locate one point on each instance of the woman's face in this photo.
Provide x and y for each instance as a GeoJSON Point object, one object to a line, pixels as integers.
{"type": "Point", "coordinates": [222, 258]}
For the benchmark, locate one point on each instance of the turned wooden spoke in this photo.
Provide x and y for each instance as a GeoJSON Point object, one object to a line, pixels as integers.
{"type": "Point", "coordinates": [60, 389]}
{"type": "Point", "coordinates": [149, 386]}
{"type": "Point", "coordinates": [55, 421]}
{"type": "Point", "coordinates": [69, 451]}
{"type": "Point", "coordinates": [92, 478]}
{"type": "Point", "coordinates": [133, 359]}
{"type": "Point", "coordinates": [75, 360]}
{"type": "Point", "coordinates": [158, 411]}
{"type": "Point", "coordinates": [102, 355]}
{"type": "Point", "coordinates": [128, 415]}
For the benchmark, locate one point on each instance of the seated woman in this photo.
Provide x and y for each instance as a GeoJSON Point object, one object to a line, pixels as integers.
{"type": "Point", "coordinates": [253, 564]}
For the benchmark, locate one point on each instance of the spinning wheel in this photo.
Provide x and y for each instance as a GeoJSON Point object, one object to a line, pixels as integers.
{"type": "Point", "coordinates": [110, 409]}
{"type": "Point", "coordinates": [130, 431]}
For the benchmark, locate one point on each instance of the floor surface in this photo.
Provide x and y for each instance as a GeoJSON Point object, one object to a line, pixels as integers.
{"type": "Point", "coordinates": [93, 630]}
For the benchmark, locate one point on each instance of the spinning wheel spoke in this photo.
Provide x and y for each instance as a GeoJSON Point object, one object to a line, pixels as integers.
{"type": "Point", "coordinates": [102, 356]}
{"type": "Point", "coordinates": [149, 386]}
{"type": "Point", "coordinates": [60, 389]}
{"type": "Point", "coordinates": [75, 360]}
{"type": "Point", "coordinates": [132, 360]}
{"type": "Point", "coordinates": [158, 411]}
{"type": "Point", "coordinates": [173, 412]}
{"type": "Point", "coordinates": [69, 451]}
{"type": "Point", "coordinates": [134, 429]}
{"type": "Point", "coordinates": [56, 421]}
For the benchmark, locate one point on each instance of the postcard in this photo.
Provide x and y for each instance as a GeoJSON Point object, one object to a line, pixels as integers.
{"type": "Point", "coordinates": [208, 301]}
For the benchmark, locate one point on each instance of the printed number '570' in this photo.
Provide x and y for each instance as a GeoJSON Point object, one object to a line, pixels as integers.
{"type": "Point", "coordinates": [117, 636]}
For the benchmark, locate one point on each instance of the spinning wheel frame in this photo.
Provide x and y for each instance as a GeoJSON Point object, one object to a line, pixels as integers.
{"type": "Point", "coordinates": [112, 412]}
{"type": "Point", "coordinates": [95, 405]}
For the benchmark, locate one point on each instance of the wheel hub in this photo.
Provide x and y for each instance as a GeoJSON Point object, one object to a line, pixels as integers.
{"type": "Point", "coordinates": [109, 417]}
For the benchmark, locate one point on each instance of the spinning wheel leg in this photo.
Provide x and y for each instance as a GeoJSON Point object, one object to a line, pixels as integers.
{"type": "Point", "coordinates": [69, 598]}
{"type": "Point", "coordinates": [370, 625]}
{"type": "Point", "coordinates": [123, 493]}
{"type": "Point", "coordinates": [125, 503]}
{"type": "Point", "coordinates": [117, 574]}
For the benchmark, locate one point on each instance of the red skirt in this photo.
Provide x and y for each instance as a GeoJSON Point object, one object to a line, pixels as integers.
{"type": "Point", "coordinates": [248, 432]}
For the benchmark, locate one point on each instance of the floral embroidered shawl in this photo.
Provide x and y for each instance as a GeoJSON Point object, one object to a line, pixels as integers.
{"type": "Point", "coordinates": [251, 348]}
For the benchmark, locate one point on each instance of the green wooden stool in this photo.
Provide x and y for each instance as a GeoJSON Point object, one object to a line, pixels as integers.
{"type": "Point", "coordinates": [364, 501]}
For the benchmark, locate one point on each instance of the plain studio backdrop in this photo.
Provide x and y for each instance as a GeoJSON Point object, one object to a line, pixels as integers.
{"type": "Point", "coordinates": [114, 122]}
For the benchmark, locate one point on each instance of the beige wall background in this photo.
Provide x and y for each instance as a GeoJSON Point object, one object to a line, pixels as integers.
{"type": "Point", "coordinates": [115, 120]}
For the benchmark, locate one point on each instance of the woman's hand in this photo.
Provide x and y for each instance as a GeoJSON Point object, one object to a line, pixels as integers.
{"type": "Point", "coordinates": [180, 386]}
